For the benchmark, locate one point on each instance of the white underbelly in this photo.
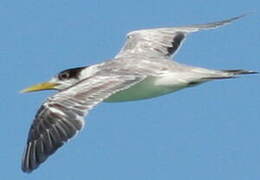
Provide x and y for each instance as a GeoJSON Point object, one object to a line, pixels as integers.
{"type": "Point", "coordinates": [148, 88]}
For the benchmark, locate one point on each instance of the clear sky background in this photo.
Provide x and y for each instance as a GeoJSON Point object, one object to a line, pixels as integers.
{"type": "Point", "coordinates": [208, 132]}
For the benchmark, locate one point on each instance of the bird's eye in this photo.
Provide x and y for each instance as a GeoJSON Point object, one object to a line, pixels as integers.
{"type": "Point", "coordinates": [64, 75]}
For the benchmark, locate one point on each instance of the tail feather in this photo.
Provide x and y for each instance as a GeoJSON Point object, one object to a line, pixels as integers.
{"type": "Point", "coordinates": [228, 74]}
{"type": "Point", "coordinates": [239, 71]}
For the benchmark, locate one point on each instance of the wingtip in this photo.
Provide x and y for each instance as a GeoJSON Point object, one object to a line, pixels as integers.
{"type": "Point", "coordinates": [216, 24]}
{"type": "Point", "coordinates": [230, 20]}
{"type": "Point", "coordinates": [240, 16]}
{"type": "Point", "coordinates": [25, 170]}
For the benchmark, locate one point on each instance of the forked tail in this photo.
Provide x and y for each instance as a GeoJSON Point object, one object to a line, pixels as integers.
{"type": "Point", "coordinates": [239, 71]}
{"type": "Point", "coordinates": [227, 74]}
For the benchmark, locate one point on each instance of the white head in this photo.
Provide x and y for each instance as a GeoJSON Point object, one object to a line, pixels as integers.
{"type": "Point", "coordinates": [61, 81]}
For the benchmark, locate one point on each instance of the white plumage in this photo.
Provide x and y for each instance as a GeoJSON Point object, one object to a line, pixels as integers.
{"type": "Point", "coordinates": [142, 69]}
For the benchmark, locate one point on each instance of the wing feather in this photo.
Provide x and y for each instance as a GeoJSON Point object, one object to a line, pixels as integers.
{"type": "Point", "coordinates": [62, 115]}
{"type": "Point", "coordinates": [162, 42]}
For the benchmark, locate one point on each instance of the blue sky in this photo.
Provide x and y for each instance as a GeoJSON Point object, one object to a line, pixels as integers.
{"type": "Point", "coordinates": [207, 132]}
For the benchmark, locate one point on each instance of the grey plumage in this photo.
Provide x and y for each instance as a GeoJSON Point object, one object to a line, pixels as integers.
{"type": "Point", "coordinates": [62, 115]}
{"type": "Point", "coordinates": [142, 69]}
{"type": "Point", "coordinates": [157, 42]}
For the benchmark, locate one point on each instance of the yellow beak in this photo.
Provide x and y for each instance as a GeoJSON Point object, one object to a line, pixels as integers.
{"type": "Point", "coordinates": [40, 87]}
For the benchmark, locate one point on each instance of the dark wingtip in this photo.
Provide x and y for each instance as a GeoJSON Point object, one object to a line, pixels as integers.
{"type": "Point", "coordinates": [230, 20]}
{"type": "Point", "coordinates": [30, 163]}
{"type": "Point", "coordinates": [241, 16]}
{"type": "Point", "coordinates": [26, 170]}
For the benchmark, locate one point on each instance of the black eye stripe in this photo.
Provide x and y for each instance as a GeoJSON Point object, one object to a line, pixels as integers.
{"type": "Point", "coordinates": [64, 75]}
{"type": "Point", "coordinates": [70, 73]}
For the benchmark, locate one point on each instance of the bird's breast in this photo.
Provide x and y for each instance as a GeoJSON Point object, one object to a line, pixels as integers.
{"type": "Point", "coordinates": [148, 88]}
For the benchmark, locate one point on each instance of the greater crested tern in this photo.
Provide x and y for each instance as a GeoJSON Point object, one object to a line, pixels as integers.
{"type": "Point", "coordinates": [142, 69]}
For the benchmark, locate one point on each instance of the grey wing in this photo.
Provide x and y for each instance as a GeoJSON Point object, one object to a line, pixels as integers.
{"type": "Point", "coordinates": [62, 115]}
{"type": "Point", "coordinates": [162, 42]}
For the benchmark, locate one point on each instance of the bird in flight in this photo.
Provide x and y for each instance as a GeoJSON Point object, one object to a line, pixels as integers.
{"type": "Point", "coordinates": [142, 69]}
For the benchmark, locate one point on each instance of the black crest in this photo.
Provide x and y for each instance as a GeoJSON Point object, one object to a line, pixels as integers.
{"type": "Point", "coordinates": [70, 73]}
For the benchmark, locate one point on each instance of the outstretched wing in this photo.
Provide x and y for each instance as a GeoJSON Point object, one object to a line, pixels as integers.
{"type": "Point", "coordinates": [62, 115]}
{"type": "Point", "coordinates": [162, 42]}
